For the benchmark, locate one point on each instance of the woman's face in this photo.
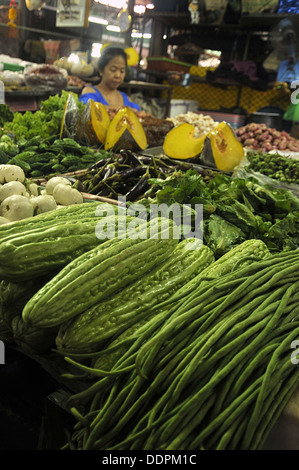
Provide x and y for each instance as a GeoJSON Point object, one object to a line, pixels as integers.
{"type": "Point", "coordinates": [114, 72]}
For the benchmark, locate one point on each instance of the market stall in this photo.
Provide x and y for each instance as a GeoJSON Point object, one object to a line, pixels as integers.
{"type": "Point", "coordinates": [148, 275]}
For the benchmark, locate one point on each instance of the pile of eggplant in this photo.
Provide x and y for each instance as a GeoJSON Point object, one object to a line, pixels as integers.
{"type": "Point", "coordinates": [131, 175]}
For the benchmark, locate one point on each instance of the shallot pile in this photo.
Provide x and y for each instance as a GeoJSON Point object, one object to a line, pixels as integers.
{"type": "Point", "coordinates": [260, 137]}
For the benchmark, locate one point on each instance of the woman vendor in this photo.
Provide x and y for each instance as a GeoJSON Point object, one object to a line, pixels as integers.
{"type": "Point", "coordinates": [112, 66]}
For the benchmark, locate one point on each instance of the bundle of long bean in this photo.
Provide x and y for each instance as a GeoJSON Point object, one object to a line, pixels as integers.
{"type": "Point", "coordinates": [213, 371]}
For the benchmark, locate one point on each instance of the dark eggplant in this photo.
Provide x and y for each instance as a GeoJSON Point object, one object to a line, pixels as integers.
{"type": "Point", "coordinates": [109, 171]}
{"type": "Point", "coordinates": [138, 189]}
{"type": "Point", "coordinates": [99, 164]}
{"type": "Point", "coordinates": [131, 172]}
{"type": "Point", "coordinates": [130, 157]}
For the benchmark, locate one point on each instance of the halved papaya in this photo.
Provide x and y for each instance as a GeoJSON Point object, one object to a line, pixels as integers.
{"type": "Point", "coordinates": [125, 131]}
{"type": "Point", "coordinates": [94, 123]}
{"type": "Point", "coordinates": [222, 149]}
{"type": "Point", "coordinates": [181, 144]}
{"type": "Point", "coordinates": [100, 120]}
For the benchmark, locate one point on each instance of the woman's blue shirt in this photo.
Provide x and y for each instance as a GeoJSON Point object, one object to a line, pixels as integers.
{"type": "Point", "coordinates": [97, 96]}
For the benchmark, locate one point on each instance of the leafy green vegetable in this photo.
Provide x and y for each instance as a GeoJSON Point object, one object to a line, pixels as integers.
{"type": "Point", "coordinates": [45, 122]}
{"type": "Point", "coordinates": [21, 163]}
{"type": "Point", "coordinates": [44, 157]}
{"type": "Point", "coordinates": [239, 215]}
{"type": "Point", "coordinates": [3, 157]}
{"type": "Point", "coordinates": [6, 114]}
{"type": "Point", "coordinates": [235, 209]}
{"type": "Point", "coordinates": [5, 138]}
{"type": "Point", "coordinates": [221, 236]}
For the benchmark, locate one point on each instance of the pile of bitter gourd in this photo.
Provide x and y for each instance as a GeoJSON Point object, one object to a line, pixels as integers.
{"type": "Point", "coordinates": [211, 370]}
{"type": "Point", "coordinates": [174, 350]}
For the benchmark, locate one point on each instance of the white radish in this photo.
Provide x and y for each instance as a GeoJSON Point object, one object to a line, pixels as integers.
{"type": "Point", "coordinates": [11, 188]}
{"type": "Point", "coordinates": [16, 207]}
{"type": "Point", "coordinates": [67, 195]}
{"type": "Point", "coordinates": [11, 173]}
{"type": "Point", "coordinates": [53, 182]}
{"type": "Point", "coordinates": [43, 203]}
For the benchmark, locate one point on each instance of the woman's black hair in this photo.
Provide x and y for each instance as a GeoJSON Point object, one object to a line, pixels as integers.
{"type": "Point", "coordinates": [109, 52]}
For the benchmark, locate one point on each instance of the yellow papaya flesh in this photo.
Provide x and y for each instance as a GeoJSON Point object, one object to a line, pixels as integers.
{"type": "Point", "coordinates": [219, 148]}
{"type": "Point", "coordinates": [222, 149]}
{"type": "Point", "coordinates": [100, 120]}
{"type": "Point", "coordinates": [93, 124]}
{"type": "Point", "coordinates": [125, 131]}
{"type": "Point", "coordinates": [180, 142]}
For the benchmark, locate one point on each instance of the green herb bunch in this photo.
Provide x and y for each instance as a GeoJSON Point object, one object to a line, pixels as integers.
{"type": "Point", "coordinates": [45, 122]}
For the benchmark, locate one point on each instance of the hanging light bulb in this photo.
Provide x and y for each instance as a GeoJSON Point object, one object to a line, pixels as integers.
{"type": "Point", "coordinates": [35, 4]}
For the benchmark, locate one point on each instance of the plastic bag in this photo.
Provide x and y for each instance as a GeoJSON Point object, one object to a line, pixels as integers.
{"type": "Point", "coordinates": [45, 77]}
{"type": "Point", "coordinates": [70, 119]}
{"type": "Point", "coordinates": [266, 181]}
{"type": "Point", "coordinates": [292, 113]}
{"type": "Point", "coordinates": [10, 78]}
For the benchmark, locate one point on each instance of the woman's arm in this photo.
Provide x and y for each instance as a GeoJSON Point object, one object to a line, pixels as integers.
{"type": "Point", "coordinates": [87, 89]}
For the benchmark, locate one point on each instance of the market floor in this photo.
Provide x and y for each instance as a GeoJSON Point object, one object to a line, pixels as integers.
{"type": "Point", "coordinates": [28, 418]}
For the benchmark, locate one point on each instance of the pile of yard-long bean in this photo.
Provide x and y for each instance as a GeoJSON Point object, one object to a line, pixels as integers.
{"type": "Point", "coordinates": [212, 370]}
{"type": "Point", "coordinates": [127, 174]}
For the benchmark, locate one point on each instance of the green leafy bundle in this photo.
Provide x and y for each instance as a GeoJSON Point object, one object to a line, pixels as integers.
{"type": "Point", "coordinates": [45, 122]}
{"type": "Point", "coordinates": [40, 157]}
{"type": "Point", "coordinates": [235, 210]}
{"type": "Point", "coordinates": [6, 114]}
